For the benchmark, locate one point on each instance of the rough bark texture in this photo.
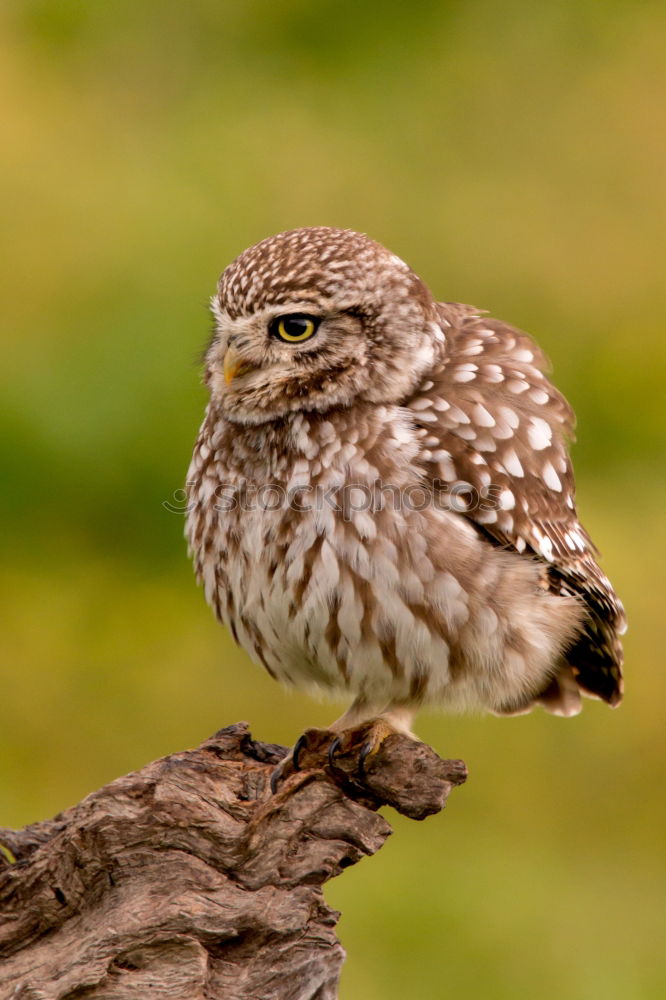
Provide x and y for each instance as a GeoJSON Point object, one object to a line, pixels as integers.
{"type": "Point", "coordinates": [191, 880]}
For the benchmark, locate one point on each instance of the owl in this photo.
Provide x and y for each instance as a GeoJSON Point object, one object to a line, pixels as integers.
{"type": "Point", "coordinates": [381, 501]}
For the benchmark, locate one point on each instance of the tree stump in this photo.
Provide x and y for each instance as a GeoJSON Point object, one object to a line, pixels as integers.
{"type": "Point", "coordinates": [191, 880]}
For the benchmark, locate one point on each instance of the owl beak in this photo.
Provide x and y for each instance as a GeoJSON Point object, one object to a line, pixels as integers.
{"type": "Point", "coordinates": [235, 366]}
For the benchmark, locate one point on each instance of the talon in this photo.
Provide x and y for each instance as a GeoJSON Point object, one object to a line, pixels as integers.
{"type": "Point", "coordinates": [332, 750]}
{"type": "Point", "coordinates": [377, 733]}
{"type": "Point", "coordinates": [287, 764]}
{"type": "Point", "coordinates": [367, 748]}
{"type": "Point", "coordinates": [292, 762]}
{"type": "Point", "coordinates": [296, 752]}
{"type": "Point", "coordinates": [276, 774]}
{"type": "Point", "coordinates": [342, 777]}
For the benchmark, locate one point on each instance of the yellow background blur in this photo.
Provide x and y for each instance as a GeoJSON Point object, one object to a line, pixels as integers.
{"type": "Point", "coordinates": [510, 151]}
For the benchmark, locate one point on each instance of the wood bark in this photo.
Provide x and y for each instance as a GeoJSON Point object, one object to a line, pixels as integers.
{"type": "Point", "coordinates": [190, 879]}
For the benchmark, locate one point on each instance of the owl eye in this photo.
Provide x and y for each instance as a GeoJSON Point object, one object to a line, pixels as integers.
{"type": "Point", "coordinates": [294, 328]}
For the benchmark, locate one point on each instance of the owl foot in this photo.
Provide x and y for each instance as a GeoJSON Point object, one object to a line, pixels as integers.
{"type": "Point", "coordinates": [310, 752]}
{"type": "Point", "coordinates": [375, 764]}
{"type": "Point", "coordinates": [377, 732]}
{"type": "Point", "coordinates": [345, 756]}
{"type": "Point", "coordinates": [361, 742]}
{"type": "Point", "coordinates": [316, 750]}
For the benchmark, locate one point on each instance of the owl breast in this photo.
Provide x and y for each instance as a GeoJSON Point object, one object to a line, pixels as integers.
{"type": "Point", "coordinates": [322, 547]}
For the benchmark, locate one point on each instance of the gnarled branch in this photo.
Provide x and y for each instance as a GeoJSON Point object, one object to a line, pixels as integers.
{"type": "Point", "coordinates": [190, 879]}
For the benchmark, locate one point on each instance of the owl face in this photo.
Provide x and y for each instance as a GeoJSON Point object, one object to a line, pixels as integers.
{"type": "Point", "coordinates": [317, 318]}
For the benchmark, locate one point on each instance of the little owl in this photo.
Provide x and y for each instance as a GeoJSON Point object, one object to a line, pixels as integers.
{"type": "Point", "coordinates": [381, 501]}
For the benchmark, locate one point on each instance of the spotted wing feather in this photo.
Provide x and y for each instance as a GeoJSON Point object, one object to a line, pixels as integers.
{"type": "Point", "coordinates": [490, 420]}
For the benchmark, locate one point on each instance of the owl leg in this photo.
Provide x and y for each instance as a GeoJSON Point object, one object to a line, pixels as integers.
{"type": "Point", "coordinates": [397, 716]}
{"type": "Point", "coordinates": [395, 719]}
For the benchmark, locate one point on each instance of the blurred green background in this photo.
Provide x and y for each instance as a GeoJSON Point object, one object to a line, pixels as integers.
{"type": "Point", "coordinates": [512, 153]}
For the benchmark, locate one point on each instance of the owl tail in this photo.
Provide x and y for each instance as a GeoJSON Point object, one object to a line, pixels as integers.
{"type": "Point", "coordinates": [562, 696]}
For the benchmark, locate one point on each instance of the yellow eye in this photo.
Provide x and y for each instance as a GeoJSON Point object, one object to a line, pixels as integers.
{"type": "Point", "coordinates": [294, 328]}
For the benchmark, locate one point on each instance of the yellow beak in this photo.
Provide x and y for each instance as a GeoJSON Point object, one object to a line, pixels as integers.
{"type": "Point", "coordinates": [234, 365]}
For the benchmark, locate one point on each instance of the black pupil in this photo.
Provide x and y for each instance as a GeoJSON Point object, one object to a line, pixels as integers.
{"type": "Point", "coordinates": [296, 326]}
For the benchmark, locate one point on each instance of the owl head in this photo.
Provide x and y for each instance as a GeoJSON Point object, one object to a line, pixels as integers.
{"type": "Point", "coordinates": [317, 318]}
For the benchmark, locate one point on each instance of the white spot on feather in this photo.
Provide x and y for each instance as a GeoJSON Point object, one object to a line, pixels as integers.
{"type": "Point", "coordinates": [485, 516]}
{"type": "Point", "coordinates": [516, 386]}
{"type": "Point", "coordinates": [545, 547]}
{"type": "Point", "coordinates": [440, 404]}
{"type": "Point", "coordinates": [465, 373]}
{"type": "Point", "coordinates": [551, 478]}
{"type": "Point", "coordinates": [509, 416]}
{"type": "Point", "coordinates": [505, 522]}
{"type": "Point", "coordinates": [443, 458]}
{"type": "Point", "coordinates": [458, 415]}
{"type": "Point", "coordinates": [539, 433]}
{"type": "Point", "coordinates": [577, 539]}
{"type": "Point", "coordinates": [484, 442]}
{"type": "Point", "coordinates": [493, 373]}
{"type": "Point", "coordinates": [512, 463]}
{"type": "Point", "coordinates": [482, 416]}
{"type": "Point", "coordinates": [522, 354]}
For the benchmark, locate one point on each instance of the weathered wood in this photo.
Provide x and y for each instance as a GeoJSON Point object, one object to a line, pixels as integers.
{"type": "Point", "coordinates": [190, 880]}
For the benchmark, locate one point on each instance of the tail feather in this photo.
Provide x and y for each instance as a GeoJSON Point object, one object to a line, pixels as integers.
{"type": "Point", "coordinates": [562, 696]}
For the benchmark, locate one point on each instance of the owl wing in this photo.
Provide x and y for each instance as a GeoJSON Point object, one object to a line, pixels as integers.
{"type": "Point", "coordinates": [495, 437]}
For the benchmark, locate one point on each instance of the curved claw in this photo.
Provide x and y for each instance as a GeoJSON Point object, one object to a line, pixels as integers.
{"type": "Point", "coordinates": [332, 750]}
{"type": "Point", "coordinates": [364, 753]}
{"type": "Point", "coordinates": [276, 774]}
{"type": "Point", "coordinates": [288, 764]}
{"type": "Point", "coordinates": [346, 780]}
{"type": "Point", "coordinates": [314, 742]}
{"type": "Point", "coordinates": [296, 752]}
